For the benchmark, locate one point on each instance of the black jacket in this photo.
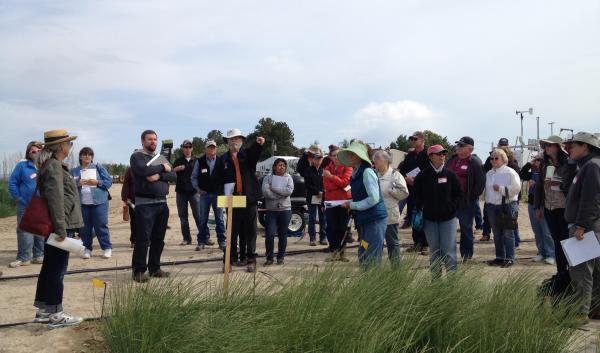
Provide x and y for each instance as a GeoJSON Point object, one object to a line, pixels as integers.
{"type": "Point", "coordinates": [583, 200]}
{"type": "Point", "coordinates": [139, 169]}
{"type": "Point", "coordinates": [184, 177]}
{"type": "Point", "coordinates": [437, 195]}
{"type": "Point", "coordinates": [205, 180]}
{"type": "Point", "coordinates": [413, 160]}
{"type": "Point", "coordinates": [475, 179]}
{"type": "Point", "coordinates": [247, 158]}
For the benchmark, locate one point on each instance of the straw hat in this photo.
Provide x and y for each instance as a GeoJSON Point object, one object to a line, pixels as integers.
{"type": "Point", "coordinates": [358, 149]}
{"type": "Point", "coordinates": [54, 137]}
{"type": "Point", "coordinates": [233, 133]}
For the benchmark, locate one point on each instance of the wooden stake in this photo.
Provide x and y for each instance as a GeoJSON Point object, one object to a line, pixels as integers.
{"type": "Point", "coordinates": [228, 246]}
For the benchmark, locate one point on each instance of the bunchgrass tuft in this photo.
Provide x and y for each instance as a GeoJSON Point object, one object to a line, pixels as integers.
{"type": "Point", "coordinates": [340, 310]}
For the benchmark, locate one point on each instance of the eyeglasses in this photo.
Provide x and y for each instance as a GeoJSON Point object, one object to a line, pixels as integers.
{"type": "Point", "coordinates": [187, 146]}
{"type": "Point", "coordinates": [412, 138]}
{"type": "Point", "coordinates": [537, 160]}
{"type": "Point", "coordinates": [33, 152]}
{"type": "Point", "coordinates": [494, 158]}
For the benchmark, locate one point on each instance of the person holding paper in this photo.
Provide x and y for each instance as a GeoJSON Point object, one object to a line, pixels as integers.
{"type": "Point", "coordinates": [312, 172]}
{"type": "Point", "coordinates": [60, 190]}
{"type": "Point", "coordinates": [502, 187]}
{"type": "Point", "coordinates": [582, 213]}
{"type": "Point", "coordinates": [93, 182]}
{"type": "Point", "coordinates": [414, 161]}
{"type": "Point", "coordinates": [437, 193]}
{"type": "Point", "coordinates": [21, 185]}
{"type": "Point", "coordinates": [277, 188]}
{"type": "Point", "coordinates": [394, 190]}
{"type": "Point", "coordinates": [238, 168]}
{"type": "Point", "coordinates": [336, 182]}
{"type": "Point", "coordinates": [151, 186]}
{"type": "Point", "coordinates": [556, 175]}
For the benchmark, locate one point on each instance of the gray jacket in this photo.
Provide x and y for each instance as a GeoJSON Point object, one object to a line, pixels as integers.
{"type": "Point", "coordinates": [59, 188]}
{"type": "Point", "coordinates": [277, 197]}
{"type": "Point", "coordinates": [583, 200]}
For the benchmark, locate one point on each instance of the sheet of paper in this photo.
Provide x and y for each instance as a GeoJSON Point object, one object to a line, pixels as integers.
{"type": "Point", "coordinates": [278, 182]}
{"type": "Point", "coordinates": [550, 171]}
{"type": "Point", "coordinates": [330, 204]}
{"type": "Point", "coordinates": [88, 174]}
{"type": "Point", "coordinates": [413, 173]}
{"type": "Point", "coordinates": [579, 251]}
{"type": "Point", "coordinates": [228, 189]}
{"type": "Point", "coordinates": [158, 160]}
{"type": "Point", "coordinates": [315, 200]}
{"type": "Point", "coordinates": [502, 179]}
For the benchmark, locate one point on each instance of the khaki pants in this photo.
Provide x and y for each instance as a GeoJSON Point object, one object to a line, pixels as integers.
{"type": "Point", "coordinates": [585, 279]}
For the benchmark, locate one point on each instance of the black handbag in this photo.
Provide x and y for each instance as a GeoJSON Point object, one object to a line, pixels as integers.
{"type": "Point", "coordinates": [504, 218]}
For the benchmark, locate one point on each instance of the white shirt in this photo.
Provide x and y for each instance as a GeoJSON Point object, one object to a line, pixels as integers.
{"type": "Point", "coordinates": [507, 179]}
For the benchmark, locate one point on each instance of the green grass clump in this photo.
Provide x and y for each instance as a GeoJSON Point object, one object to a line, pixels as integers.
{"type": "Point", "coordinates": [340, 310]}
{"type": "Point", "coordinates": [7, 204]}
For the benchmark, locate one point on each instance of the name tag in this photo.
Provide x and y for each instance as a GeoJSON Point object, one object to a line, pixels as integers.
{"type": "Point", "coordinates": [347, 188]}
{"type": "Point", "coordinates": [464, 167]}
{"type": "Point", "coordinates": [204, 170]}
{"type": "Point", "coordinates": [32, 176]}
{"type": "Point", "coordinates": [442, 180]}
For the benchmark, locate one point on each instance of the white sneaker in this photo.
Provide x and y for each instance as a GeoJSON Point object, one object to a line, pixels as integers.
{"type": "Point", "coordinates": [107, 254]}
{"type": "Point", "coordinates": [550, 261]}
{"type": "Point", "coordinates": [63, 319]}
{"type": "Point", "coordinates": [18, 263]}
{"type": "Point", "coordinates": [41, 317]}
{"type": "Point", "coordinates": [86, 254]}
{"type": "Point", "coordinates": [538, 258]}
{"type": "Point", "coordinates": [38, 260]}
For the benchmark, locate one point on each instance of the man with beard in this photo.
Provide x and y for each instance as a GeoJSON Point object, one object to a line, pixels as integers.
{"type": "Point", "coordinates": [239, 168]}
{"type": "Point", "coordinates": [151, 185]}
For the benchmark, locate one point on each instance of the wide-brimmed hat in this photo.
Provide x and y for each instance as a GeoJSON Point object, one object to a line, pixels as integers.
{"type": "Point", "coordinates": [358, 149]}
{"type": "Point", "coordinates": [233, 133]}
{"type": "Point", "coordinates": [552, 140]}
{"type": "Point", "coordinates": [315, 151]}
{"type": "Point", "coordinates": [586, 137]}
{"type": "Point", "coordinates": [53, 137]}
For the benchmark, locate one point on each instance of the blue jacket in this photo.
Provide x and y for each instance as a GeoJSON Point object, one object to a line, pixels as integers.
{"type": "Point", "coordinates": [99, 193]}
{"type": "Point", "coordinates": [362, 197]}
{"type": "Point", "coordinates": [21, 183]}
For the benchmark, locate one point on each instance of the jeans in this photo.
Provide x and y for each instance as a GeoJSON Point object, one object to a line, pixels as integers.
{"type": "Point", "coordinates": [401, 204]}
{"type": "Point", "coordinates": [313, 210]}
{"type": "Point", "coordinates": [205, 202]}
{"type": "Point", "coordinates": [27, 243]}
{"type": "Point", "coordinates": [337, 222]}
{"type": "Point", "coordinates": [543, 239]}
{"type": "Point", "coordinates": [244, 230]}
{"type": "Point", "coordinates": [277, 224]}
{"type": "Point", "coordinates": [131, 224]}
{"type": "Point", "coordinates": [442, 244]}
{"type": "Point", "coordinates": [486, 228]}
{"type": "Point", "coordinates": [95, 221]}
{"type": "Point", "coordinates": [478, 216]}
{"type": "Point", "coordinates": [465, 216]}
{"type": "Point", "coordinates": [50, 284]}
{"type": "Point", "coordinates": [151, 225]}
{"type": "Point", "coordinates": [504, 239]}
{"type": "Point", "coordinates": [183, 199]}
{"type": "Point", "coordinates": [410, 205]}
{"type": "Point", "coordinates": [559, 229]}
{"type": "Point", "coordinates": [371, 243]}
{"type": "Point", "coordinates": [392, 243]}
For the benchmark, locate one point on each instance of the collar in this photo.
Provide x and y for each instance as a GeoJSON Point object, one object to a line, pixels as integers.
{"type": "Point", "coordinates": [437, 170]}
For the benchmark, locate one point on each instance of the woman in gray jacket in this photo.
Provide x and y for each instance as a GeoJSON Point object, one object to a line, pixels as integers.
{"type": "Point", "coordinates": [277, 188]}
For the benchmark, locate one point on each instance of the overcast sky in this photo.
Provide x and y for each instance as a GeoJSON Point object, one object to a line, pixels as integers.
{"type": "Point", "coordinates": [106, 70]}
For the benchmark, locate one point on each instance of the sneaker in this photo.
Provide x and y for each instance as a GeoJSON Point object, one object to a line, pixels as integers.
{"type": "Point", "coordinates": [86, 254]}
{"type": "Point", "coordinates": [268, 262]}
{"type": "Point", "coordinates": [186, 242]}
{"type": "Point", "coordinates": [495, 262]}
{"type": "Point", "coordinates": [199, 247]}
{"type": "Point", "coordinates": [252, 267]}
{"type": "Point", "coordinates": [41, 317]}
{"type": "Point", "coordinates": [18, 263]}
{"type": "Point", "coordinates": [538, 258]}
{"type": "Point", "coordinates": [508, 263]}
{"type": "Point", "coordinates": [550, 261]}
{"type": "Point", "coordinates": [38, 260]}
{"type": "Point", "coordinates": [107, 254]}
{"type": "Point", "coordinates": [160, 274]}
{"type": "Point", "coordinates": [280, 261]}
{"type": "Point", "coordinates": [323, 242]}
{"type": "Point", "coordinates": [209, 242]}
{"type": "Point", "coordinates": [313, 243]}
{"type": "Point", "coordinates": [63, 319]}
{"type": "Point", "coordinates": [140, 277]}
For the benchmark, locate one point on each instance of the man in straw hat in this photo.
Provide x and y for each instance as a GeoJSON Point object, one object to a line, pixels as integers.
{"type": "Point", "coordinates": [582, 213]}
{"type": "Point", "coordinates": [367, 203]}
{"type": "Point", "coordinates": [151, 185]}
{"type": "Point", "coordinates": [239, 170]}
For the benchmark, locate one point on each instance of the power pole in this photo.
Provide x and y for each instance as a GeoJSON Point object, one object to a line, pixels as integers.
{"type": "Point", "coordinates": [551, 128]}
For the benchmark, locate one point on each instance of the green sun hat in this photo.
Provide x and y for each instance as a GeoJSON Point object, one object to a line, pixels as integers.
{"type": "Point", "coordinates": [358, 149]}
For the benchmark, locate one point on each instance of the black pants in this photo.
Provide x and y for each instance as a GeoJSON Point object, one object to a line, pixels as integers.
{"type": "Point", "coordinates": [151, 225]}
{"type": "Point", "coordinates": [244, 229]}
{"type": "Point", "coordinates": [337, 223]}
{"type": "Point", "coordinates": [559, 229]}
{"type": "Point", "coordinates": [50, 284]}
{"type": "Point", "coordinates": [131, 224]}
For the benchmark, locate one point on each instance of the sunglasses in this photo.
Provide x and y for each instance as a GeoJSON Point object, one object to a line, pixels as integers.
{"type": "Point", "coordinates": [187, 146]}
{"type": "Point", "coordinates": [412, 138]}
{"type": "Point", "coordinates": [441, 154]}
{"type": "Point", "coordinates": [494, 158]}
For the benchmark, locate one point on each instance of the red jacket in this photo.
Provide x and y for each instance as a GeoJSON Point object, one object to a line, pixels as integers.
{"type": "Point", "coordinates": [334, 187]}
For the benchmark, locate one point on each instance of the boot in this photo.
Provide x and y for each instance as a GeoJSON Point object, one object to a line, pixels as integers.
{"type": "Point", "coordinates": [334, 257]}
{"type": "Point", "coordinates": [343, 258]}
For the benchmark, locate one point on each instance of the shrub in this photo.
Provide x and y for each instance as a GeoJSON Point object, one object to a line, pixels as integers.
{"type": "Point", "coordinates": [7, 204]}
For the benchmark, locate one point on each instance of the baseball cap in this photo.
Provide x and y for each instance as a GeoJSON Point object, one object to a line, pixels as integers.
{"type": "Point", "coordinates": [211, 143]}
{"type": "Point", "coordinates": [187, 142]}
{"type": "Point", "coordinates": [503, 142]}
{"type": "Point", "coordinates": [435, 149]}
{"type": "Point", "coordinates": [465, 140]}
{"type": "Point", "coordinates": [417, 134]}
